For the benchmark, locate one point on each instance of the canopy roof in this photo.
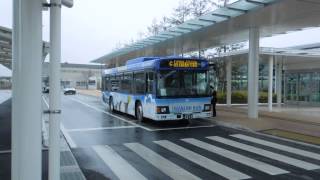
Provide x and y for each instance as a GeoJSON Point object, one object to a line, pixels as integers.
{"type": "Point", "coordinates": [227, 25]}
{"type": "Point", "coordinates": [294, 51]}
{"type": "Point", "coordinates": [6, 47]}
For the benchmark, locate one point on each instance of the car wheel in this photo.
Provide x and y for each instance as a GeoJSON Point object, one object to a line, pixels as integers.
{"type": "Point", "coordinates": [139, 112]}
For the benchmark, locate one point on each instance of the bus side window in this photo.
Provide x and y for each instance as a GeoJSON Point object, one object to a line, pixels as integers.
{"type": "Point", "coordinates": [126, 83]}
{"type": "Point", "coordinates": [114, 83]}
{"type": "Point", "coordinates": [149, 82]}
{"type": "Point", "coordinates": [139, 83]}
{"type": "Point", "coordinates": [103, 83]}
{"type": "Point", "coordinates": [107, 83]}
{"type": "Point", "coordinates": [119, 78]}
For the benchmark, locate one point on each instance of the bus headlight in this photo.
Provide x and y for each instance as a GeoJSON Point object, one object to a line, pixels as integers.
{"type": "Point", "coordinates": [163, 110]}
{"type": "Point", "coordinates": [207, 107]}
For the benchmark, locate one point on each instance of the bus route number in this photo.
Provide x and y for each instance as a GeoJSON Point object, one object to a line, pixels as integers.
{"type": "Point", "coordinates": [183, 64]}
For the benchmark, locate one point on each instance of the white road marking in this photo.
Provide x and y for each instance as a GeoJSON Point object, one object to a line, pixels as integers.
{"type": "Point", "coordinates": [100, 110]}
{"type": "Point", "coordinates": [279, 146]}
{"type": "Point", "coordinates": [64, 131]}
{"type": "Point", "coordinates": [265, 153]}
{"type": "Point", "coordinates": [70, 141]}
{"type": "Point", "coordinates": [261, 166]}
{"type": "Point", "coordinates": [287, 140]}
{"type": "Point", "coordinates": [166, 166]}
{"type": "Point", "coordinates": [45, 101]}
{"type": "Point", "coordinates": [99, 128]}
{"type": "Point", "coordinates": [121, 168]}
{"type": "Point", "coordinates": [188, 127]}
{"type": "Point", "coordinates": [209, 164]}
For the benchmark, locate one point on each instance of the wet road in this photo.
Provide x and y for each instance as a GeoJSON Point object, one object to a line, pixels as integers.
{"type": "Point", "coordinates": [114, 146]}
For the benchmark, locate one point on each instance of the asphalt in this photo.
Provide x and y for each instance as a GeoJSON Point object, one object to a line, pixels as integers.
{"type": "Point", "coordinates": [115, 146]}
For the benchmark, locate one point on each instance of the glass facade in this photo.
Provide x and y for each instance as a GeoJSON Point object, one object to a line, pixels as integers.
{"type": "Point", "coordinates": [239, 78]}
{"type": "Point", "coordinates": [302, 87]}
{"type": "Point", "coordinates": [299, 87]}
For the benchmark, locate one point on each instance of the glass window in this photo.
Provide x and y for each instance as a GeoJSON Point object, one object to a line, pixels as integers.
{"type": "Point", "coordinates": [92, 82]}
{"type": "Point", "coordinates": [305, 86]}
{"type": "Point", "coordinates": [126, 83]}
{"type": "Point", "coordinates": [292, 87]}
{"type": "Point", "coordinates": [115, 83]}
{"type": "Point", "coordinates": [139, 83]}
{"type": "Point", "coordinates": [150, 80]}
{"type": "Point", "coordinates": [103, 83]}
{"type": "Point", "coordinates": [107, 83]}
{"type": "Point", "coordinates": [182, 84]}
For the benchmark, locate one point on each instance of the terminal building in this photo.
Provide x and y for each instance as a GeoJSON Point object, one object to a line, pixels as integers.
{"type": "Point", "coordinates": [298, 69]}
{"type": "Point", "coordinates": [79, 76]}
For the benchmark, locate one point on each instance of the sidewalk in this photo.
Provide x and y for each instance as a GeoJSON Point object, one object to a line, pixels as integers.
{"type": "Point", "coordinates": [288, 121]}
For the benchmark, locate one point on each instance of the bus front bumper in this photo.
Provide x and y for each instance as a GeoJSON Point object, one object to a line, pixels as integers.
{"type": "Point", "coordinates": [168, 117]}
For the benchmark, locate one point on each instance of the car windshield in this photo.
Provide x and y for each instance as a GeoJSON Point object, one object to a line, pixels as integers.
{"type": "Point", "coordinates": [174, 83]}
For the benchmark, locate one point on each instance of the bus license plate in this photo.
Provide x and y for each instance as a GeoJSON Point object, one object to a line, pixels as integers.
{"type": "Point", "coordinates": [187, 116]}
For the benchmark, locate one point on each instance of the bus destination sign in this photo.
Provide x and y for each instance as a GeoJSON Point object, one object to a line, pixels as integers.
{"type": "Point", "coordinates": [181, 64]}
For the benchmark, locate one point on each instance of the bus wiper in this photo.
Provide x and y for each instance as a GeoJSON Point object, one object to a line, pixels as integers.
{"type": "Point", "coordinates": [169, 74]}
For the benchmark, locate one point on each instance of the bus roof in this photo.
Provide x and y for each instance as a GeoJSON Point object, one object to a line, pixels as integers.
{"type": "Point", "coordinates": [142, 63]}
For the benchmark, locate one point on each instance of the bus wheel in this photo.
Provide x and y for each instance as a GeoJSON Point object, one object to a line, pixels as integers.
{"type": "Point", "coordinates": [139, 112]}
{"type": "Point", "coordinates": [111, 105]}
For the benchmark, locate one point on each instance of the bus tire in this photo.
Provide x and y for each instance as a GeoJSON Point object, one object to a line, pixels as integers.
{"type": "Point", "coordinates": [111, 105]}
{"type": "Point", "coordinates": [139, 112]}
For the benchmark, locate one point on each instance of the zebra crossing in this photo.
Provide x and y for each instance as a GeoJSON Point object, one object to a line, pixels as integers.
{"type": "Point", "coordinates": [281, 160]}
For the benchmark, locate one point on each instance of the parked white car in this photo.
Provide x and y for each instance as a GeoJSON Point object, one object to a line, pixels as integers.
{"type": "Point", "coordinates": [67, 91]}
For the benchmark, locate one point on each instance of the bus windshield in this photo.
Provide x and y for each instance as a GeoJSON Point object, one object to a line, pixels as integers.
{"type": "Point", "coordinates": [180, 83]}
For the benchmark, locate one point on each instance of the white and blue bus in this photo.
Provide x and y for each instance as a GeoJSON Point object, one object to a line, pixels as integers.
{"type": "Point", "coordinates": [159, 88]}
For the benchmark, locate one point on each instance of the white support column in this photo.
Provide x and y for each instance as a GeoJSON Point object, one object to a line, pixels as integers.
{"type": "Point", "coordinates": [253, 73]}
{"type": "Point", "coordinates": [270, 89]}
{"type": "Point", "coordinates": [26, 90]}
{"type": "Point", "coordinates": [228, 77]}
{"type": "Point", "coordinates": [279, 82]}
{"type": "Point", "coordinates": [55, 99]}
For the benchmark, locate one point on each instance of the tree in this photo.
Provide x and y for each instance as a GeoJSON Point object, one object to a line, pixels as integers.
{"type": "Point", "coordinates": [221, 3]}
{"type": "Point", "coordinates": [200, 7]}
{"type": "Point", "coordinates": [165, 24]}
{"type": "Point", "coordinates": [154, 29]}
{"type": "Point", "coordinates": [180, 13]}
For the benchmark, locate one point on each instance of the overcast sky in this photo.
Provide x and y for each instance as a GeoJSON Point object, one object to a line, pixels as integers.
{"type": "Point", "coordinates": [92, 28]}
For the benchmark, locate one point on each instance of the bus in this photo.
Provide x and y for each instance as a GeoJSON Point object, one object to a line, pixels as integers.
{"type": "Point", "coordinates": [159, 88]}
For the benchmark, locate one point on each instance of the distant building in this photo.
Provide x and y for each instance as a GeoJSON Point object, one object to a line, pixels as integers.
{"type": "Point", "coordinates": [5, 77]}
{"type": "Point", "coordinates": [80, 76]}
